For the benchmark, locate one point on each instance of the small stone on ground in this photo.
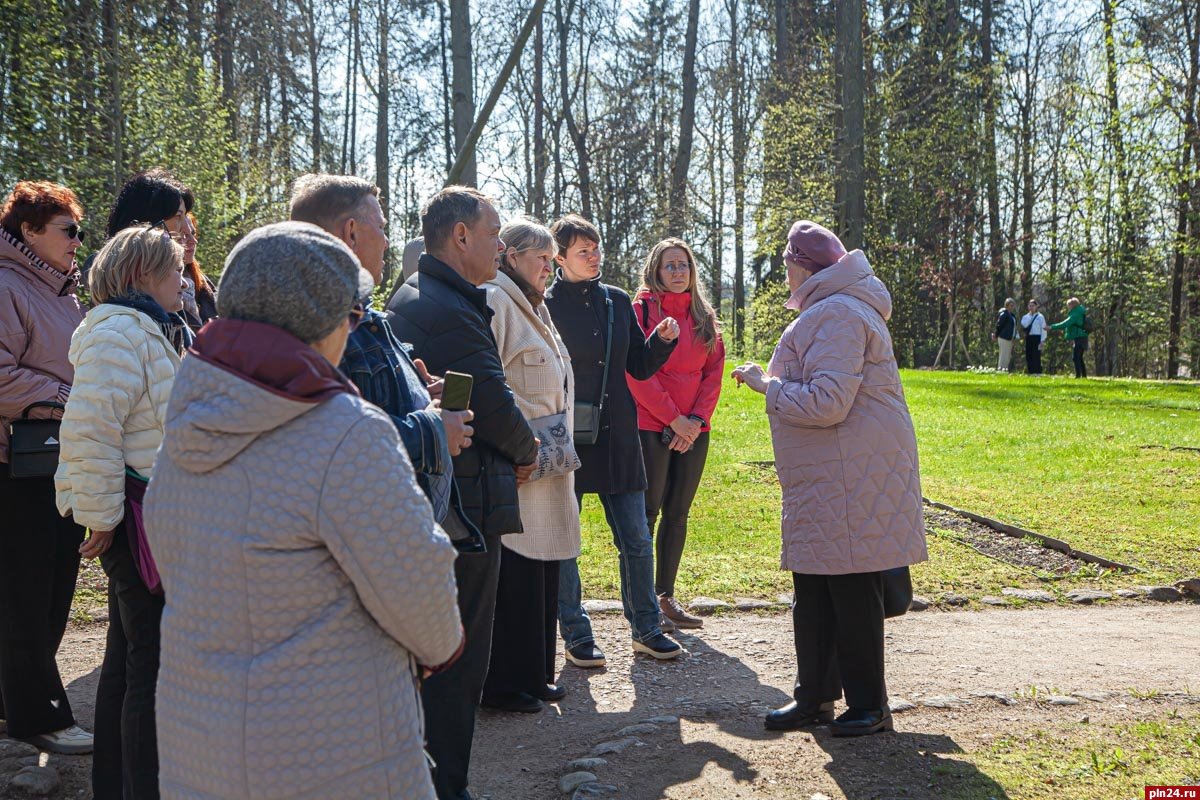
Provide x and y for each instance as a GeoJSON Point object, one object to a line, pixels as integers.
{"type": "Point", "coordinates": [573, 780]}
{"type": "Point", "coordinates": [1032, 595]}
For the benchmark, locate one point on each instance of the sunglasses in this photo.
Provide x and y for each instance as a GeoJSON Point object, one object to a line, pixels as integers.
{"type": "Point", "coordinates": [356, 316]}
{"type": "Point", "coordinates": [72, 230]}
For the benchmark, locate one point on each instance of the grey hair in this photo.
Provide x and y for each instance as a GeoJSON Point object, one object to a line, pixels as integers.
{"type": "Point", "coordinates": [523, 234]}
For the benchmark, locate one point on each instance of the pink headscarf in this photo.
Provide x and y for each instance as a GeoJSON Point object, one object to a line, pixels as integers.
{"type": "Point", "coordinates": [813, 247]}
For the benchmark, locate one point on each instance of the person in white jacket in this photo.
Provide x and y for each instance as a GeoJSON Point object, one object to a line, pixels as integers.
{"type": "Point", "coordinates": [125, 364]}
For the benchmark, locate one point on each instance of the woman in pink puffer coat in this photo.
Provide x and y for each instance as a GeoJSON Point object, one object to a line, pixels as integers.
{"type": "Point", "coordinates": [847, 462]}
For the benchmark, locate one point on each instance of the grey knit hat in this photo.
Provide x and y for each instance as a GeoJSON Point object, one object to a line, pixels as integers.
{"type": "Point", "coordinates": [295, 276]}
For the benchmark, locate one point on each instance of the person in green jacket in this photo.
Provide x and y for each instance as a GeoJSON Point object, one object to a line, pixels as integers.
{"type": "Point", "coordinates": [1074, 331]}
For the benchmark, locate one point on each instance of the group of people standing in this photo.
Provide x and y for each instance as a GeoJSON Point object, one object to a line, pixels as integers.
{"type": "Point", "coordinates": [300, 537]}
{"type": "Point", "coordinates": [1035, 328]}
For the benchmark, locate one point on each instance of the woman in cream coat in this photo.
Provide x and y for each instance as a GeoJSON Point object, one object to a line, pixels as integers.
{"type": "Point", "coordinates": [538, 370]}
{"type": "Point", "coordinates": [125, 365]}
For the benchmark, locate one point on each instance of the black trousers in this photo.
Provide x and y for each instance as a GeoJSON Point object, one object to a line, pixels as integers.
{"type": "Point", "coordinates": [1033, 354]}
{"type": "Point", "coordinates": [125, 760]}
{"type": "Point", "coordinates": [451, 698]}
{"type": "Point", "coordinates": [838, 624]}
{"type": "Point", "coordinates": [1078, 348]}
{"type": "Point", "coordinates": [672, 479]}
{"type": "Point", "coordinates": [39, 562]}
{"type": "Point", "coordinates": [525, 631]}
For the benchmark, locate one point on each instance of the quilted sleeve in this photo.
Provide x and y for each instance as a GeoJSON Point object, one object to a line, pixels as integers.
{"type": "Point", "coordinates": [109, 381]}
{"type": "Point", "coordinates": [20, 385]}
{"type": "Point", "coordinates": [831, 368]}
{"type": "Point", "coordinates": [380, 529]}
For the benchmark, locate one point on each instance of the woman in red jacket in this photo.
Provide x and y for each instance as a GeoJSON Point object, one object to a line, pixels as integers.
{"type": "Point", "coordinates": [675, 406]}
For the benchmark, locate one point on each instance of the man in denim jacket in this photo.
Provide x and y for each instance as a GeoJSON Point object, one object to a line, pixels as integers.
{"type": "Point", "coordinates": [378, 364]}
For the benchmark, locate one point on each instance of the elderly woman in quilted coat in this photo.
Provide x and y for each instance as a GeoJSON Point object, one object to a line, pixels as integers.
{"type": "Point", "coordinates": [847, 462]}
{"type": "Point", "coordinates": [305, 576]}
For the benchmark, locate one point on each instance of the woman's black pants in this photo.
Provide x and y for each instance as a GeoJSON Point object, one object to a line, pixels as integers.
{"type": "Point", "coordinates": [125, 761]}
{"type": "Point", "coordinates": [672, 479]}
{"type": "Point", "coordinates": [39, 562]}
{"type": "Point", "coordinates": [838, 624]}
{"type": "Point", "coordinates": [1033, 354]}
{"type": "Point", "coordinates": [525, 630]}
{"type": "Point", "coordinates": [1078, 348]}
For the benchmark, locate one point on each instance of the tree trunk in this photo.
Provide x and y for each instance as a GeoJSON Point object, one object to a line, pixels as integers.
{"type": "Point", "coordinates": [465, 160]}
{"type": "Point", "coordinates": [538, 195]}
{"type": "Point", "coordinates": [463, 84]}
{"type": "Point", "coordinates": [739, 136]}
{"type": "Point", "coordinates": [1107, 356]}
{"type": "Point", "coordinates": [225, 46]}
{"type": "Point", "coordinates": [1183, 193]}
{"type": "Point", "coordinates": [116, 112]}
{"type": "Point", "coordinates": [383, 95]}
{"type": "Point", "coordinates": [991, 178]}
{"type": "Point", "coordinates": [677, 215]}
{"type": "Point", "coordinates": [853, 166]}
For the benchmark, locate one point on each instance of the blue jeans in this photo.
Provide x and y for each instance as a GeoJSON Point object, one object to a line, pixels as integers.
{"type": "Point", "coordinates": [626, 514]}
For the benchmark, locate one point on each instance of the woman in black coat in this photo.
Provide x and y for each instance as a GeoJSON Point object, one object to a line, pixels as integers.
{"type": "Point", "coordinates": [582, 307]}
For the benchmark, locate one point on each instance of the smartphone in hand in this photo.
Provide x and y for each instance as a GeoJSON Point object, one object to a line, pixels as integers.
{"type": "Point", "coordinates": [456, 391]}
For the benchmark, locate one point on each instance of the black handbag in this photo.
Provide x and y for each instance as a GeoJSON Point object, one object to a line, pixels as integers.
{"type": "Point", "coordinates": [33, 444]}
{"type": "Point", "coordinates": [897, 591]}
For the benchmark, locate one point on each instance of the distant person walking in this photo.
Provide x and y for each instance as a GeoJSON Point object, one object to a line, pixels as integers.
{"type": "Point", "coordinates": [1034, 325]}
{"type": "Point", "coordinates": [1006, 331]}
{"type": "Point", "coordinates": [1075, 331]}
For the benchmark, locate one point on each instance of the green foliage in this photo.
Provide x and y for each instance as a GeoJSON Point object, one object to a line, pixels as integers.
{"type": "Point", "coordinates": [768, 318]}
{"type": "Point", "coordinates": [980, 438]}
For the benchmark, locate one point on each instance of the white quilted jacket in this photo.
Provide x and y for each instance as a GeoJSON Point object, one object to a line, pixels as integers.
{"type": "Point", "coordinates": [303, 573]}
{"type": "Point", "coordinates": [124, 370]}
{"type": "Point", "coordinates": [537, 368]}
{"type": "Point", "coordinates": [844, 444]}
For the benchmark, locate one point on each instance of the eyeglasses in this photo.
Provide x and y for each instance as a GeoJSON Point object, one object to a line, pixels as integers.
{"type": "Point", "coordinates": [72, 230]}
{"type": "Point", "coordinates": [676, 267]}
{"type": "Point", "coordinates": [356, 316]}
{"type": "Point", "coordinates": [177, 237]}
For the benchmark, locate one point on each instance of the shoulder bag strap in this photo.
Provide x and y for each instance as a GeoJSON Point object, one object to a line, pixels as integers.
{"type": "Point", "coordinates": [41, 404]}
{"type": "Point", "coordinates": [607, 346]}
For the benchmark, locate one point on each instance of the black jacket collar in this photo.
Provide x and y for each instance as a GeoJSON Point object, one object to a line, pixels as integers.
{"type": "Point", "coordinates": [435, 268]}
{"type": "Point", "coordinates": [572, 288]}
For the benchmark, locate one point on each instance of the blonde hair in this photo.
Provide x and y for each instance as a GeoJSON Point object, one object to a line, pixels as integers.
{"type": "Point", "coordinates": [704, 319]}
{"type": "Point", "coordinates": [130, 259]}
{"type": "Point", "coordinates": [1072, 302]}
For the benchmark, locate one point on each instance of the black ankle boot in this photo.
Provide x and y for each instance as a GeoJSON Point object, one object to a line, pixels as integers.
{"type": "Point", "coordinates": [863, 722]}
{"type": "Point", "coordinates": [791, 717]}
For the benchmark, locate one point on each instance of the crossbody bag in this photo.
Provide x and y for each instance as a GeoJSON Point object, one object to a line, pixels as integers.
{"type": "Point", "coordinates": [587, 415]}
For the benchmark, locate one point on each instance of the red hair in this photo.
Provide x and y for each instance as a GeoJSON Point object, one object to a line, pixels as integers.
{"type": "Point", "coordinates": [34, 203]}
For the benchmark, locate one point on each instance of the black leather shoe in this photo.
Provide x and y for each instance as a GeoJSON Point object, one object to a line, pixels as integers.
{"type": "Point", "coordinates": [791, 717]}
{"type": "Point", "coordinates": [552, 692]}
{"type": "Point", "coordinates": [520, 702]}
{"type": "Point", "coordinates": [862, 722]}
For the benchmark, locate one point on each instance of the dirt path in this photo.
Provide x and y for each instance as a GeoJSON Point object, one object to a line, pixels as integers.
{"type": "Point", "coordinates": [709, 743]}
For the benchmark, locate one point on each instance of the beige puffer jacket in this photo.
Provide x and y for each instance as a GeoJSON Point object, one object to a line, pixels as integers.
{"type": "Point", "coordinates": [537, 368]}
{"type": "Point", "coordinates": [844, 444]}
{"type": "Point", "coordinates": [124, 370]}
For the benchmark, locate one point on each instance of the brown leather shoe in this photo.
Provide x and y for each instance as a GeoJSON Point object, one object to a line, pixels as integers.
{"type": "Point", "coordinates": [665, 624]}
{"type": "Point", "coordinates": [673, 611]}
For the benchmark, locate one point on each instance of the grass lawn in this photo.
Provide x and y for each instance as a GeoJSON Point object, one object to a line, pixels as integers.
{"type": "Point", "coordinates": [1085, 461]}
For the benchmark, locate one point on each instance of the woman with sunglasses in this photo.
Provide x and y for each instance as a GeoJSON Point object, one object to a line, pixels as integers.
{"type": "Point", "coordinates": [125, 354]}
{"type": "Point", "coordinates": [39, 550]}
{"type": "Point", "coordinates": [675, 406]}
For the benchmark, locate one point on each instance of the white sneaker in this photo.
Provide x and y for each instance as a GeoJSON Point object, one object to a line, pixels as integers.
{"type": "Point", "coordinates": [72, 741]}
